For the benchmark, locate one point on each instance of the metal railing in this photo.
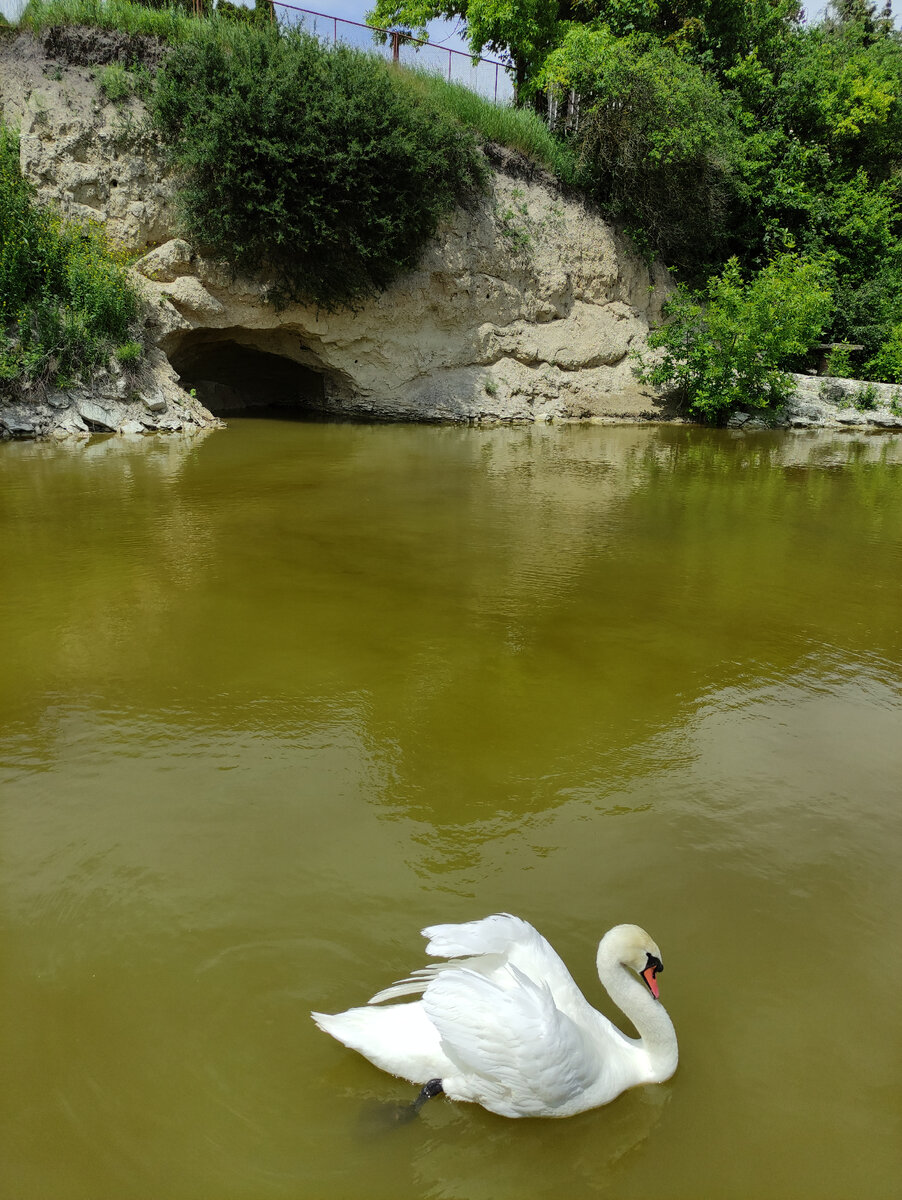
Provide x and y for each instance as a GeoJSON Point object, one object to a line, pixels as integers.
{"type": "Point", "coordinates": [485, 76]}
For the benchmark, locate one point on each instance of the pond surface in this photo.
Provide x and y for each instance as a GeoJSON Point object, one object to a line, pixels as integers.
{"type": "Point", "coordinates": [275, 698]}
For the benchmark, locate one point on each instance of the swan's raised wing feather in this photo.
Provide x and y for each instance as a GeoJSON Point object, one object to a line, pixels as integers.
{"type": "Point", "coordinates": [521, 1053]}
{"type": "Point", "coordinates": [413, 985]}
{"type": "Point", "coordinates": [491, 935]}
{"type": "Point", "coordinates": [503, 939]}
{"type": "Point", "coordinates": [487, 946]}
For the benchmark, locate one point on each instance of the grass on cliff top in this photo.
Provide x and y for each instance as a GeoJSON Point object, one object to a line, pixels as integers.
{"type": "Point", "coordinates": [66, 303]}
{"type": "Point", "coordinates": [519, 129]}
{"type": "Point", "coordinates": [170, 23]}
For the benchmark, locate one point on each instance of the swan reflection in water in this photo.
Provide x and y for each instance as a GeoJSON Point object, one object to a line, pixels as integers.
{"type": "Point", "coordinates": [501, 1022]}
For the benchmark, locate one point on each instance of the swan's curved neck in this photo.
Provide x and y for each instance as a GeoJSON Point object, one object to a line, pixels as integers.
{"type": "Point", "coordinates": [655, 1028]}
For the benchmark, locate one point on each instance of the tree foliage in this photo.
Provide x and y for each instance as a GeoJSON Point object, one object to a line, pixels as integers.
{"type": "Point", "coordinates": [821, 166]}
{"type": "Point", "coordinates": [712, 33]}
{"type": "Point", "coordinates": [523, 31]}
{"type": "Point", "coordinates": [655, 138]}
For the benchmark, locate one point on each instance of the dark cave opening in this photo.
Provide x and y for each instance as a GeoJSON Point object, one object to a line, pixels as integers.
{"type": "Point", "coordinates": [234, 379]}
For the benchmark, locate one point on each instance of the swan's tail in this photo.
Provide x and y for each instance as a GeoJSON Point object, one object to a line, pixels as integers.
{"type": "Point", "coordinates": [362, 1029]}
{"type": "Point", "coordinates": [331, 1023]}
{"type": "Point", "coordinates": [399, 1039]}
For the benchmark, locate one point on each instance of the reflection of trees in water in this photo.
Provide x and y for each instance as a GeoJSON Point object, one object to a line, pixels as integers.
{"type": "Point", "coordinates": [541, 596]}
{"type": "Point", "coordinates": [651, 568]}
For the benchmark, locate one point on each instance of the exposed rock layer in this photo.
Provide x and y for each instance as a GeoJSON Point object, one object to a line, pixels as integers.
{"type": "Point", "coordinates": [525, 307]}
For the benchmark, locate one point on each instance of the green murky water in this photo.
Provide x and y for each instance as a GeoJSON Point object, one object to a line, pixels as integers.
{"type": "Point", "coordinates": [273, 699]}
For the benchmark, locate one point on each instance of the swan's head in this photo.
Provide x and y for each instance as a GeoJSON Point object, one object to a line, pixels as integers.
{"type": "Point", "coordinates": [630, 946]}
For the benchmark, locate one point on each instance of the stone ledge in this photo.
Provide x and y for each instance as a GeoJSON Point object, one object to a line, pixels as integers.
{"type": "Point", "coordinates": [824, 402]}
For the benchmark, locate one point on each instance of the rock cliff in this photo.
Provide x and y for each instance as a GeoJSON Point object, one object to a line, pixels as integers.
{"type": "Point", "coordinates": [525, 307]}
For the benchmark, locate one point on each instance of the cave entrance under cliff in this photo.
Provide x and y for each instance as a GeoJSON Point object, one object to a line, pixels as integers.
{"type": "Point", "coordinates": [233, 377]}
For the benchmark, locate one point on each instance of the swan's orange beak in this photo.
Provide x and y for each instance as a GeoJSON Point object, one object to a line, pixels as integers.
{"type": "Point", "coordinates": [649, 976]}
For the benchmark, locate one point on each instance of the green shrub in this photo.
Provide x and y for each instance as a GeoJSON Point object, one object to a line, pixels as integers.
{"type": "Point", "coordinates": [129, 354]}
{"type": "Point", "coordinates": [730, 346]}
{"type": "Point", "coordinates": [115, 83]}
{"type": "Point", "coordinates": [886, 364]}
{"type": "Point", "coordinates": [65, 298]}
{"type": "Point", "coordinates": [839, 362]}
{"type": "Point", "coordinates": [312, 162]}
{"type": "Point", "coordinates": [865, 399]}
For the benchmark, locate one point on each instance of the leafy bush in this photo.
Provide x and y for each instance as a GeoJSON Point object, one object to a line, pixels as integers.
{"type": "Point", "coordinates": [839, 362]}
{"type": "Point", "coordinates": [729, 347]}
{"type": "Point", "coordinates": [65, 299]}
{"type": "Point", "coordinates": [821, 162]}
{"type": "Point", "coordinates": [654, 138]}
{"type": "Point", "coordinates": [115, 83]}
{"type": "Point", "coordinates": [887, 362]}
{"type": "Point", "coordinates": [129, 354]}
{"type": "Point", "coordinates": [312, 162]}
{"type": "Point", "coordinates": [865, 399]}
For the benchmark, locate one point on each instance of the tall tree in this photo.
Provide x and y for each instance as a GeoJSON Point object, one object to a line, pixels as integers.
{"type": "Point", "coordinates": [713, 33]}
{"type": "Point", "coordinates": [863, 12]}
{"type": "Point", "coordinates": [522, 31]}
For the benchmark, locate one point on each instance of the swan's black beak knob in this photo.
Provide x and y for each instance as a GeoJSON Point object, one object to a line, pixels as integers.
{"type": "Point", "coordinates": [652, 967]}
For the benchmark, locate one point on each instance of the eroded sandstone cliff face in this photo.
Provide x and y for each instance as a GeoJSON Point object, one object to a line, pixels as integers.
{"type": "Point", "coordinates": [525, 307]}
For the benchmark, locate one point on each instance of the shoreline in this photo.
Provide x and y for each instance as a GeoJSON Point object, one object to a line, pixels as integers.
{"type": "Point", "coordinates": [821, 404]}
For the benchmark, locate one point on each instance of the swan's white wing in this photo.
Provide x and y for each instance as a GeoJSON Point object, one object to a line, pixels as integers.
{"type": "Point", "coordinates": [503, 939]}
{"type": "Point", "coordinates": [518, 1053]}
{"type": "Point", "coordinates": [415, 983]}
{"type": "Point", "coordinates": [491, 935]}
{"type": "Point", "coordinates": [487, 946]}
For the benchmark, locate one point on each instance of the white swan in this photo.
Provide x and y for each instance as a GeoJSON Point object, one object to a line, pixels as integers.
{"type": "Point", "coordinates": [504, 1025]}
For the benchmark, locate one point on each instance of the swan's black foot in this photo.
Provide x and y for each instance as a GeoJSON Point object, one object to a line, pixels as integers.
{"type": "Point", "coordinates": [432, 1087]}
{"type": "Point", "coordinates": [378, 1118]}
